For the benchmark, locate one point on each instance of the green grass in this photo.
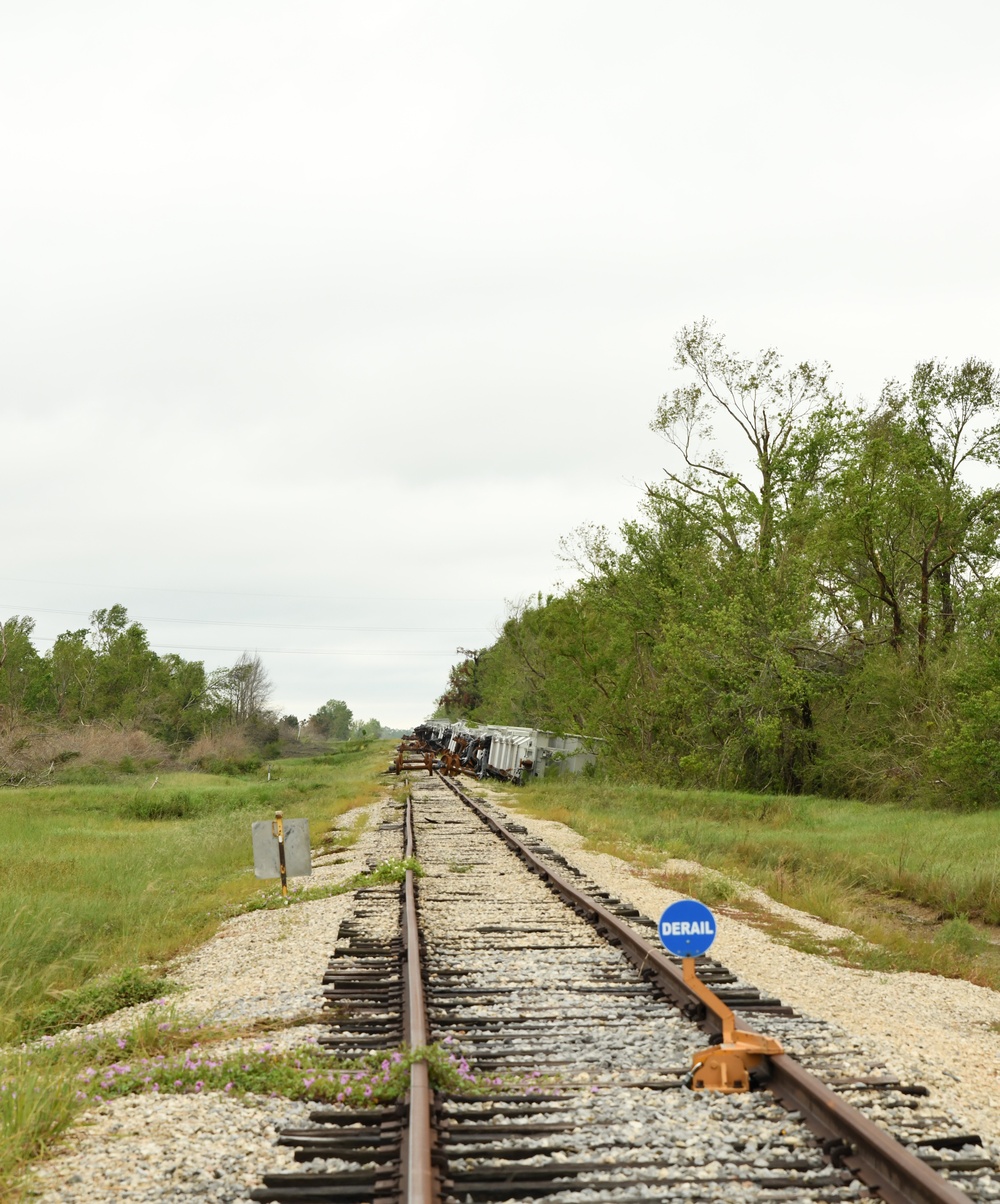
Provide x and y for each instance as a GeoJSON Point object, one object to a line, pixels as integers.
{"type": "Point", "coordinates": [99, 878]}
{"type": "Point", "coordinates": [921, 887]}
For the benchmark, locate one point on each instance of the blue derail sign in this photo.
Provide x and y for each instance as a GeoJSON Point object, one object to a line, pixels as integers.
{"type": "Point", "coordinates": [687, 928]}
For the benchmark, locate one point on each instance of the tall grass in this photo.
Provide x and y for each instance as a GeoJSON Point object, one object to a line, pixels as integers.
{"type": "Point", "coordinates": [97, 879]}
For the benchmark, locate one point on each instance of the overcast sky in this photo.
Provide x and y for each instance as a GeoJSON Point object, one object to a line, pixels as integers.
{"type": "Point", "coordinates": [322, 322]}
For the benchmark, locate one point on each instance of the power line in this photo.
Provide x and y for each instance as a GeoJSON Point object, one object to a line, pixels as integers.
{"type": "Point", "coordinates": [229, 593]}
{"type": "Point", "coordinates": [50, 639]}
{"type": "Point", "coordinates": [46, 610]}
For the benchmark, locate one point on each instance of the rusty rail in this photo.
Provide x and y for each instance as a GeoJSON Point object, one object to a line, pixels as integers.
{"type": "Point", "coordinates": [849, 1137]}
{"type": "Point", "coordinates": [418, 1182]}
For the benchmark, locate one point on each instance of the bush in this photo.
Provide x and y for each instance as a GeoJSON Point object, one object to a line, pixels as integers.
{"type": "Point", "coordinates": [231, 766]}
{"type": "Point", "coordinates": [36, 752]}
{"type": "Point", "coordinates": [150, 804]}
{"type": "Point", "coordinates": [226, 751]}
{"type": "Point", "coordinates": [87, 775]}
{"type": "Point", "coordinates": [98, 999]}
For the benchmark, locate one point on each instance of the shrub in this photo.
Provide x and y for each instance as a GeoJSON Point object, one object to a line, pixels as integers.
{"type": "Point", "coordinates": [151, 804]}
{"type": "Point", "coordinates": [36, 752]}
{"type": "Point", "coordinates": [226, 751]}
{"type": "Point", "coordinates": [86, 775]}
{"type": "Point", "coordinates": [97, 999]}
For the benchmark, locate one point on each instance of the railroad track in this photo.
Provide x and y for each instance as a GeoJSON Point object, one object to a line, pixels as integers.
{"type": "Point", "coordinates": [562, 995]}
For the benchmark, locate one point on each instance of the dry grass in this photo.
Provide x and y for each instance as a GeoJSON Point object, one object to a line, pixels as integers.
{"type": "Point", "coordinates": [31, 753]}
{"type": "Point", "coordinates": [224, 743]}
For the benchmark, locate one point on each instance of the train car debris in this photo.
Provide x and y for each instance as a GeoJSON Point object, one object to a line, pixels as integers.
{"type": "Point", "coordinates": [512, 754]}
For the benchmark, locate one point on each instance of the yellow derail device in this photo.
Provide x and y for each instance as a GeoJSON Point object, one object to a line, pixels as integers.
{"type": "Point", "coordinates": [687, 930]}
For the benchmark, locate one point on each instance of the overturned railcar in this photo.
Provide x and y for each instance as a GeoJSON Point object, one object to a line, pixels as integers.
{"type": "Point", "coordinates": [512, 754]}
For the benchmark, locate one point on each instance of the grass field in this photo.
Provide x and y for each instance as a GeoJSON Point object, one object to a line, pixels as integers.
{"type": "Point", "coordinates": [922, 886]}
{"type": "Point", "coordinates": [98, 880]}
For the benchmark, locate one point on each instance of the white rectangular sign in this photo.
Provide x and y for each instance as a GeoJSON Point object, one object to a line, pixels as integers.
{"type": "Point", "coordinates": [298, 863]}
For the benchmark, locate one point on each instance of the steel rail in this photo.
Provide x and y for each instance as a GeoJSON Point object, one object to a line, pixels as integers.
{"type": "Point", "coordinates": [419, 1186]}
{"type": "Point", "coordinates": [848, 1136]}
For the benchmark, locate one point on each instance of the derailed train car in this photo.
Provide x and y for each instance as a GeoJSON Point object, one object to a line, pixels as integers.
{"type": "Point", "coordinates": [512, 754]}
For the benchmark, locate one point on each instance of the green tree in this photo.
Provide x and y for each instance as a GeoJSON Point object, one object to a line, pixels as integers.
{"type": "Point", "coordinates": [71, 660]}
{"type": "Point", "coordinates": [108, 671]}
{"type": "Point", "coordinates": [908, 535]}
{"type": "Point", "coordinates": [369, 729]}
{"type": "Point", "coordinates": [332, 720]}
{"type": "Point", "coordinates": [461, 696]}
{"type": "Point", "coordinates": [177, 710]}
{"type": "Point", "coordinates": [786, 420]}
{"type": "Point", "coordinates": [24, 677]}
{"type": "Point", "coordinates": [755, 510]}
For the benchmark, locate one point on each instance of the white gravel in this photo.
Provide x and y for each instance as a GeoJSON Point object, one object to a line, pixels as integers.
{"type": "Point", "coordinates": [171, 1147]}
{"type": "Point", "coordinates": [927, 1029]}
{"type": "Point", "coordinates": [265, 966]}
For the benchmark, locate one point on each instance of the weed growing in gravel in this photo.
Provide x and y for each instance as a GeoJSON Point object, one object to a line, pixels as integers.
{"type": "Point", "coordinates": [306, 1073]}
{"type": "Point", "coordinates": [44, 1087]}
{"type": "Point", "coordinates": [383, 875]}
{"type": "Point", "coordinates": [40, 1085]}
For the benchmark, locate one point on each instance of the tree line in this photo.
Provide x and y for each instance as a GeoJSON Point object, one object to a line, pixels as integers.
{"type": "Point", "coordinates": [807, 603]}
{"type": "Point", "coordinates": [107, 672]}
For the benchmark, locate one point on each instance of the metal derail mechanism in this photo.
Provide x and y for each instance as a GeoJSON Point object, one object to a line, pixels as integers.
{"type": "Point", "coordinates": [741, 1055]}
{"type": "Point", "coordinates": [851, 1139]}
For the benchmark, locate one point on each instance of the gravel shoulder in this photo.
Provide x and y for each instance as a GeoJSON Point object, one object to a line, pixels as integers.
{"type": "Point", "coordinates": [926, 1029]}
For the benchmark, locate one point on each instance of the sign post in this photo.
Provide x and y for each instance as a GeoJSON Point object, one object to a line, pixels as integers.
{"type": "Point", "coordinates": [687, 930]}
{"type": "Point", "coordinates": [281, 850]}
{"type": "Point", "coordinates": [278, 828]}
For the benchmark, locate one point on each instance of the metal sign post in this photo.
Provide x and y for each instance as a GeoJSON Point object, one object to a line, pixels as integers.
{"type": "Point", "coordinates": [278, 828]}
